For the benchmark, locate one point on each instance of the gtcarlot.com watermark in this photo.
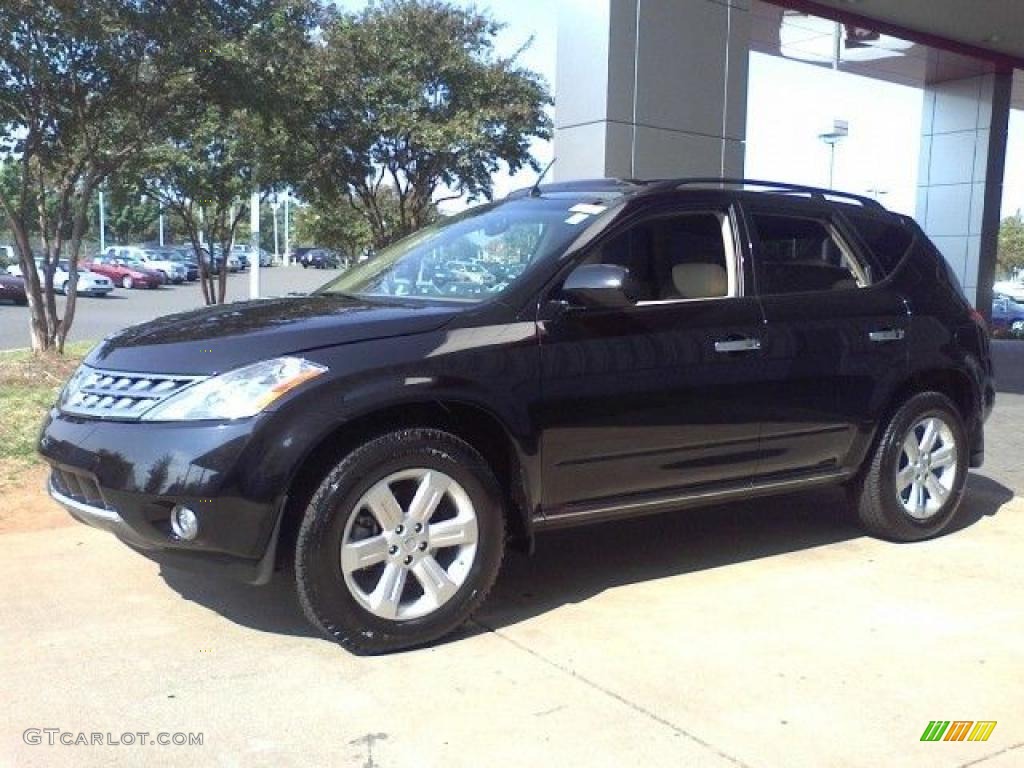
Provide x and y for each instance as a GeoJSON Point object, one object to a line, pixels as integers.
{"type": "Point", "coordinates": [59, 737]}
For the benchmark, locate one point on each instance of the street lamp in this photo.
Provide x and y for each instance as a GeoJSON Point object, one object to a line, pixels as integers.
{"type": "Point", "coordinates": [103, 225]}
{"type": "Point", "coordinates": [287, 228]}
{"type": "Point", "coordinates": [840, 130]}
{"type": "Point", "coordinates": [274, 205]}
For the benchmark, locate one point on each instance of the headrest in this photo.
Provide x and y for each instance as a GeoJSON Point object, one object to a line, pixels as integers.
{"type": "Point", "coordinates": [700, 281]}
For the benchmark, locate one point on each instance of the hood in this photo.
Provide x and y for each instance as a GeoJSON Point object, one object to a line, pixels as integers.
{"type": "Point", "coordinates": [217, 339]}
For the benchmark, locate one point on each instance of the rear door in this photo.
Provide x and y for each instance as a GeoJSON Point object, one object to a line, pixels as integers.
{"type": "Point", "coordinates": [835, 344]}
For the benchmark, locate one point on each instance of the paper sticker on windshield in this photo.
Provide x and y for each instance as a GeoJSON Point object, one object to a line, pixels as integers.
{"type": "Point", "coordinates": [588, 208]}
{"type": "Point", "coordinates": [576, 218]}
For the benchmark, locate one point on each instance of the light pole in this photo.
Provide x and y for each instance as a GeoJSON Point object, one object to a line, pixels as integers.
{"type": "Point", "coordinates": [287, 228]}
{"type": "Point", "coordinates": [274, 205]}
{"type": "Point", "coordinates": [840, 130]}
{"type": "Point", "coordinates": [161, 227]}
{"type": "Point", "coordinates": [254, 244]}
{"type": "Point", "coordinates": [103, 225]}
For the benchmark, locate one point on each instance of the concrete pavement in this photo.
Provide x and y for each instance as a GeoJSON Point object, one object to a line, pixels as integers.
{"type": "Point", "coordinates": [763, 634]}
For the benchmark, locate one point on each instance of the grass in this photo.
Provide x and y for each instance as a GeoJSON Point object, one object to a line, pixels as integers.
{"type": "Point", "coordinates": [29, 385]}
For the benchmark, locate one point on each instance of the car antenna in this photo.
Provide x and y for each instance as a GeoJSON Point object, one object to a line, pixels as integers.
{"type": "Point", "coordinates": [535, 189]}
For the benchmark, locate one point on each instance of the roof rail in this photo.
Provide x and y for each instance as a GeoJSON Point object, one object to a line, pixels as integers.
{"type": "Point", "coordinates": [777, 186]}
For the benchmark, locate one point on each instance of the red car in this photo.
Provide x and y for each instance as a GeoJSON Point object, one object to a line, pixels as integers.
{"type": "Point", "coordinates": [13, 289]}
{"type": "Point", "coordinates": [127, 273]}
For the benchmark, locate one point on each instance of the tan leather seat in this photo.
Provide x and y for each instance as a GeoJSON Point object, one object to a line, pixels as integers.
{"type": "Point", "coordinates": [700, 281]}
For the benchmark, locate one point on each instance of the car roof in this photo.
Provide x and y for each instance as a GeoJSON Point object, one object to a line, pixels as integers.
{"type": "Point", "coordinates": [611, 188]}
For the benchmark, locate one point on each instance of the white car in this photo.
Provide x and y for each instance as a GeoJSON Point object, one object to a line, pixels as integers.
{"type": "Point", "coordinates": [1009, 288]}
{"type": "Point", "coordinates": [89, 283]}
{"type": "Point", "coordinates": [173, 271]}
{"type": "Point", "coordinates": [469, 272]}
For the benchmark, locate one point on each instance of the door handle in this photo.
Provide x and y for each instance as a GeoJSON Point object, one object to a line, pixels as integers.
{"type": "Point", "coordinates": [887, 334]}
{"type": "Point", "coordinates": [738, 345]}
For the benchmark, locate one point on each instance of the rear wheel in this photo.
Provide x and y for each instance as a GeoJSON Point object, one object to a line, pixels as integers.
{"type": "Point", "coordinates": [401, 542]}
{"type": "Point", "coordinates": [914, 485]}
{"type": "Point", "coordinates": [126, 282]}
{"type": "Point", "coordinates": [65, 287]}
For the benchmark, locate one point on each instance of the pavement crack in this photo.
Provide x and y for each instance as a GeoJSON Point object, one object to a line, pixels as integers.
{"type": "Point", "coordinates": [986, 758]}
{"type": "Point", "coordinates": [639, 709]}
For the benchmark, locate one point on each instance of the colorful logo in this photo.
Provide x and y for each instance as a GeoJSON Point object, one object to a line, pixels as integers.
{"type": "Point", "coordinates": [958, 730]}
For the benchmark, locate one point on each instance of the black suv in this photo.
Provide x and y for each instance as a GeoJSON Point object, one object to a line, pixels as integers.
{"type": "Point", "coordinates": [653, 346]}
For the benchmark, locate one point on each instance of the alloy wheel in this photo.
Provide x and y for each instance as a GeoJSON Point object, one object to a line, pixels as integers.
{"type": "Point", "coordinates": [410, 544]}
{"type": "Point", "coordinates": [927, 470]}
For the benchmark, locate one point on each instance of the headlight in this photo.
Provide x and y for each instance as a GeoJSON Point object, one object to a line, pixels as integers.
{"type": "Point", "coordinates": [237, 394]}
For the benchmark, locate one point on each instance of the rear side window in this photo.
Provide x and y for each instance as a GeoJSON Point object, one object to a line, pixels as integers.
{"type": "Point", "coordinates": [798, 255]}
{"type": "Point", "coordinates": [887, 240]}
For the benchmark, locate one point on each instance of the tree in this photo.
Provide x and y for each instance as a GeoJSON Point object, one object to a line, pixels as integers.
{"type": "Point", "coordinates": [83, 87]}
{"type": "Point", "coordinates": [228, 136]}
{"type": "Point", "coordinates": [129, 214]}
{"type": "Point", "coordinates": [1011, 246]}
{"type": "Point", "coordinates": [410, 97]}
{"type": "Point", "coordinates": [339, 226]}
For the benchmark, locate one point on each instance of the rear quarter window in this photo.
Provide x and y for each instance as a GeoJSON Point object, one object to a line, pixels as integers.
{"type": "Point", "coordinates": [888, 240]}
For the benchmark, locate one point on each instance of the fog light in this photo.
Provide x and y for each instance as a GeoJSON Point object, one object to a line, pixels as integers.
{"type": "Point", "coordinates": [184, 523]}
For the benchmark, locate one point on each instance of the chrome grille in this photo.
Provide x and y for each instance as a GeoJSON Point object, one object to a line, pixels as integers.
{"type": "Point", "coordinates": [118, 395]}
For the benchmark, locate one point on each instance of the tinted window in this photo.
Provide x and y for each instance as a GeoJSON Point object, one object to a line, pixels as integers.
{"type": "Point", "coordinates": [800, 254]}
{"type": "Point", "coordinates": [887, 240]}
{"type": "Point", "coordinates": [675, 257]}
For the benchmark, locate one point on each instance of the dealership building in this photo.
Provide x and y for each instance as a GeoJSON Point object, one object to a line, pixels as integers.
{"type": "Point", "coordinates": [656, 88]}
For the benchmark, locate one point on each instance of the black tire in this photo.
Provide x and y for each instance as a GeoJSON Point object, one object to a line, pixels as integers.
{"type": "Point", "coordinates": [326, 599]}
{"type": "Point", "coordinates": [879, 505]}
{"type": "Point", "coordinates": [127, 282]}
{"type": "Point", "coordinates": [64, 288]}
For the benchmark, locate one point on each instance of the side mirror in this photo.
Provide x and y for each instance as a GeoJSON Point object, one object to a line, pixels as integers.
{"type": "Point", "coordinates": [600, 285]}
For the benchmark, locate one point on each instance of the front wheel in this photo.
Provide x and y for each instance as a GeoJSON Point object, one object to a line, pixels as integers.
{"type": "Point", "coordinates": [915, 482]}
{"type": "Point", "coordinates": [401, 542]}
{"type": "Point", "coordinates": [65, 287]}
{"type": "Point", "coordinates": [1017, 329]}
{"type": "Point", "coordinates": [126, 282]}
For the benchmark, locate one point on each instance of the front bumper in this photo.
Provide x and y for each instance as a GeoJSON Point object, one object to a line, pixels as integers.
{"type": "Point", "coordinates": [127, 477]}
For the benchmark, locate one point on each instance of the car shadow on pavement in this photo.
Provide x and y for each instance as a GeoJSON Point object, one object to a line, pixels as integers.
{"type": "Point", "coordinates": [572, 566]}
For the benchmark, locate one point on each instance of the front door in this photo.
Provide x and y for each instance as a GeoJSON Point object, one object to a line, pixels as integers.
{"type": "Point", "coordinates": [659, 398]}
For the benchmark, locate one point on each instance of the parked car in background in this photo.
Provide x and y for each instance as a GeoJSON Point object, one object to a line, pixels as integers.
{"type": "Point", "coordinates": [469, 272]}
{"type": "Point", "coordinates": [234, 264]}
{"type": "Point", "coordinates": [13, 289]}
{"type": "Point", "coordinates": [672, 344]}
{"type": "Point", "coordinates": [319, 258]}
{"type": "Point", "coordinates": [1007, 316]}
{"type": "Point", "coordinates": [241, 252]}
{"type": "Point", "coordinates": [150, 258]}
{"type": "Point", "coordinates": [267, 258]}
{"type": "Point", "coordinates": [184, 255]}
{"type": "Point", "coordinates": [89, 283]}
{"type": "Point", "coordinates": [126, 272]}
{"type": "Point", "coordinates": [1010, 288]}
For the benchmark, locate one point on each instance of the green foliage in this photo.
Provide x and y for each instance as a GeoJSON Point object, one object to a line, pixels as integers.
{"type": "Point", "coordinates": [336, 224]}
{"type": "Point", "coordinates": [227, 135]}
{"type": "Point", "coordinates": [411, 97]}
{"type": "Point", "coordinates": [84, 86]}
{"type": "Point", "coordinates": [1011, 246]}
{"type": "Point", "coordinates": [130, 216]}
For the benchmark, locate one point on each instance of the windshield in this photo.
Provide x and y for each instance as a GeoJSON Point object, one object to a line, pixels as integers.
{"type": "Point", "coordinates": [472, 256]}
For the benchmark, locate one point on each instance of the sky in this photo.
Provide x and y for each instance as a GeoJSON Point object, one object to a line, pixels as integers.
{"type": "Point", "coordinates": [789, 104]}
